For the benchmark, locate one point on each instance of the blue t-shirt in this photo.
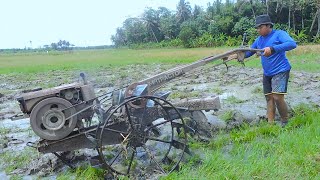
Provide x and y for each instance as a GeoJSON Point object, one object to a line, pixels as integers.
{"type": "Point", "coordinates": [277, 62]}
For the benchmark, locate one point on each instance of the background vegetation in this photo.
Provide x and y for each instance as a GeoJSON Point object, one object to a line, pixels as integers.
{"type": "Point", "coordinates": [220, 23]}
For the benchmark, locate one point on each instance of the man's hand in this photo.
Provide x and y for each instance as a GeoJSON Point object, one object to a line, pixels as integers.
{"type": "Point", "coordinates": [267, 51]}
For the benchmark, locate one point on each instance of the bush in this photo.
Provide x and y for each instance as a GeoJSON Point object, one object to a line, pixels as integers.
{"type": "Point", "coordinates": [162, 44]}
{"type": "Point", "coordinates": [233, 41]}
{"type": "Point", "coordinates": [243, 25]}
{"type": "Point", "coordinates": [186, 35]}
{"type": "Point", "coordinates": [301, 37]}
{"type": "Point", "coordinates": [252, 34]}
{"type": "Point", "coordinates": [316, 39]}
{"type": "Point", "coordinates": [206, 40]}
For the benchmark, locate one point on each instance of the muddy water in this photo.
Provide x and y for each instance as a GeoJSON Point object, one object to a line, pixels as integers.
{"type": "Point", "coordinates": [22, 124]}
{"type": "Point", "coordinates": [4, 176]}
{"type": "Point", "coordinates": [239, 90]}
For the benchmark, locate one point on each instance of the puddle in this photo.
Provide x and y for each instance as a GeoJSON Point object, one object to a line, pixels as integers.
{"type": "Point", "coordinates": [8, 109]}
{"type": "Point", "coordinates": [201, 87]}
{"type": "Point", "coordinates": [3, 176]}
{"type": "Point", "coordinates": [19, 134]}
{"type": "Point", "coordinates": [9, 124]}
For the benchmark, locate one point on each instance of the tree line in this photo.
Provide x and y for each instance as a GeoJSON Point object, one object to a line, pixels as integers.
{"type": "Point", "coordinates": [61, 45]}
{"type": "Point", "coordinates": [220, 23]}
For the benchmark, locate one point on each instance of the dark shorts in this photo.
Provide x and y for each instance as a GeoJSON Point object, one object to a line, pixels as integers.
{"type": "Point", "coordinates": [276, 84]}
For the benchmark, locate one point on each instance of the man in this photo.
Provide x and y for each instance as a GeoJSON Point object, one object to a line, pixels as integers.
{"type": "Point", "coordinates": [276, 67]}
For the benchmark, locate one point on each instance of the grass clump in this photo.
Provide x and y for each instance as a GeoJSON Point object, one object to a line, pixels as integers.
{"type": "Point", "coordinates": [227, 116]}
{"type": "Point", "coordinates": [248, 133]}
{"type": "Point", "coordinates": [16, 177]}
{"type": "Point", "coordinates": [83, 173]}
{"type": "Point", "coordinates": [234, 100]}
{"type": "Point", "coordinates": [302, 109]}
{"type": "Point", "coordinates": [14, 160]}
{"type": "Point", "coordinates": [194, 160]}
{"type": "Point", "coordinates": [257, 90]}
{"type": "Point", "coordinates": [217, 90]}
{"type": "Point", "coordinates": [4, 130]}
{"type": "Point", "coordinates": [243, 136]}
{"type": "Point", "coordinates": [219, 141]}
{"type": "Point", "coordinates": [184, 95]}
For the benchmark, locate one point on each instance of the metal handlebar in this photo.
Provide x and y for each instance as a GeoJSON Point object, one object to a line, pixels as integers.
{"type": "Point", "coordinates": [158, 80]}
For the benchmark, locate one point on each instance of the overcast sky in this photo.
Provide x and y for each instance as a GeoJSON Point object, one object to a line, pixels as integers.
{"type": "Point", "coordinates": [81, 22]}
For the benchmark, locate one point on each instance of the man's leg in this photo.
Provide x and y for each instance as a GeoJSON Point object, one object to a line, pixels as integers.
{"type": "Point", "coordinates": [281, 106]}
{"type": "Point", "coordinates": [267, 90]}
{"type": "Point", "coordinates": [271, 108]}
{"type": "Point", "coordinates": [279, 89]}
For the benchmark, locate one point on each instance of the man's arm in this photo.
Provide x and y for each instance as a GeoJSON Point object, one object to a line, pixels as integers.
{"type": "Point", "coordinates": [253, 46]}
{"type": "Point", "coordinates": [286, 43]}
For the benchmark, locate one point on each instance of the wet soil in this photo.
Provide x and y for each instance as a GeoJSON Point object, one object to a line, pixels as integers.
{"type": "Point", "coordinates": [239, 90]}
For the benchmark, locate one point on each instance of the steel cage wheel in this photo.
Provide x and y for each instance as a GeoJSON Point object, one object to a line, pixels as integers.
{"type": "Point", "coordinates": [151, 139]}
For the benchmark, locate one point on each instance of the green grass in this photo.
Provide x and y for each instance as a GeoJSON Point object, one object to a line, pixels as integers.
{"type": "Point", "coordinates": [14, 160]}
{"type": "Point", "coordinates": [303, 58]}
{"type": "Point", "coordinates": [16, 177]}
{"type": "Point", "coordinates": [82, 173]}
{"type": "Point", "coordinates": [4, 130]}
{"type": "Point", "coordinates": [234, 100]}
{"type": "Point", "coordinates": [257, 90]}
{"type": "Point", "coordinates": [90, 59]}
{"type": "Point", "coordinates": [227, 116]}
{"type": "Point", "coordinates": [216, 90]}
{"type": "Point", "coordinates": [262, 152]}
{"type": "Point", "coordinates": [183, 95]}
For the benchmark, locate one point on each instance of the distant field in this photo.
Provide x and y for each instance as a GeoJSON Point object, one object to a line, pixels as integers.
{"type": "Point", "coordinates": [306, 58]}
